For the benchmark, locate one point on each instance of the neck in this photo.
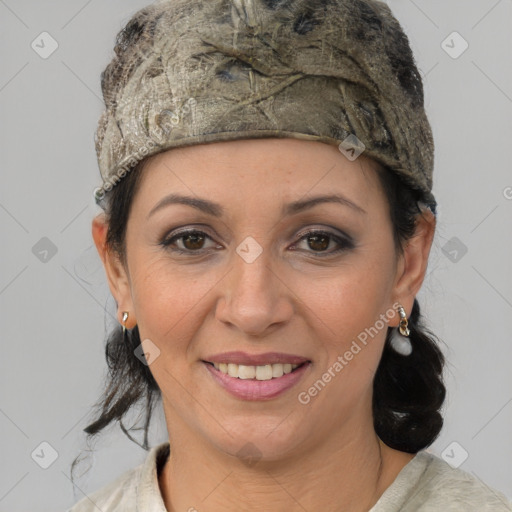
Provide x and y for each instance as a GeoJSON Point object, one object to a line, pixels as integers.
{"type": "Point", "coordinates": [334, 475]}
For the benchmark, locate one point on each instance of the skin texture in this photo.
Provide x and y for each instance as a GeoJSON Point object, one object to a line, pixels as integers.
{"type": "Point", "coordinates": [324, 455]}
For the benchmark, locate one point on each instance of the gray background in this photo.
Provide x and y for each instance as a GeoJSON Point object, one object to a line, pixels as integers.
{"type": "Point", "coordinates": [55, 306]}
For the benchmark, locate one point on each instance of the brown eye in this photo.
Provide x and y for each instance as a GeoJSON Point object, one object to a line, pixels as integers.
{"type": "Point", "coordinates": [193, 241]}
{"type": "Point", "coordinates": [319, 242]}
{"type": "Point", "coordinates": [187, 242]}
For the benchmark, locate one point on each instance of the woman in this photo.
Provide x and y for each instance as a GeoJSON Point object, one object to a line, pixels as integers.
{"type": "Point", "coordinates": [267, 186]}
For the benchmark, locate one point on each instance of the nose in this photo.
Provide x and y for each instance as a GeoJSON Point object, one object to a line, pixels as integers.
{"type": "Point", "coordinates": [254, 297]}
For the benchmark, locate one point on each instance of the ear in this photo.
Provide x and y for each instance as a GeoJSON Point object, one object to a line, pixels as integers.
{"type": "Point", "coordinates": [117, 276]}
{"type": "Point", "coordinates": [412, 265]}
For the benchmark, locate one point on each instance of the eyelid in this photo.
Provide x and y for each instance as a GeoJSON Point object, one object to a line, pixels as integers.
{"type": "Point", "coordinates": [190, 228]}
{"type": "Point", "coordinates": [331, 231]}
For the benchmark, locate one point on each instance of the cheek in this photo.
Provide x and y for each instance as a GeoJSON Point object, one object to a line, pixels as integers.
{"type": "Point", "coordinates": [167, 301]}
{"type": "Point", "coordinates": [349, 333]}
{"type": "Point", "coordinates": [349, 311]}
{"type": "Point", "coordinates": [347, 301]}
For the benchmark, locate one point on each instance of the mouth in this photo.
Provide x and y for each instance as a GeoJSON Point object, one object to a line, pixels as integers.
{"type": "Point", "coordinates": [259, 372]}
{"type": "Point", "coordinates": [256, 382]}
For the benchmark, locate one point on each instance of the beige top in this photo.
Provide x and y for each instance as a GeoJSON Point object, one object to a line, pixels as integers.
{"type": "Point", "coordinates": [425, 484]}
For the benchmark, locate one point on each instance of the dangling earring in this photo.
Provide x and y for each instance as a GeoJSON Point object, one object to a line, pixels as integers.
{"type": "Point", "coordinates": [125, 317]}
{"type": "Point", "coordinates": [399, 336]}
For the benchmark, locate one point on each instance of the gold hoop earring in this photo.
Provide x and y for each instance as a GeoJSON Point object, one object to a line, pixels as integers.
{"type": "Point", "coordinates": [399, 340]}
{"type": "Point", "coordinates": [123, 322]}
{"type": "Point", "coordinates": [403, 327]}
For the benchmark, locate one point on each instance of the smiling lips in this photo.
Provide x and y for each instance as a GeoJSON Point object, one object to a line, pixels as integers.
{"type": "Point", "coordinates": [264, 372]}
{"type": "Point", "coordinates": [256, 377]}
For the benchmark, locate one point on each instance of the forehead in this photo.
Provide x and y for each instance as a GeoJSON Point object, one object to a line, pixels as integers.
{"type": "Point", "coordinates": [258, 170]}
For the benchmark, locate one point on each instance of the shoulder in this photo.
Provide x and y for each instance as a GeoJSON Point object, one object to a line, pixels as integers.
{"type": "Point", "coordinates": [429, 484]}
{"type": "Point", "coordinates": [443, 487]}
{"type": "Point", "coordinates": [116, 496]}
{"type": "Point", "coordinates": [134, 488]}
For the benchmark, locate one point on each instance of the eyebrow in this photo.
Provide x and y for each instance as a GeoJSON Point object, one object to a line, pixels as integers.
{"type": "Point", "coordinates": [216, 210]}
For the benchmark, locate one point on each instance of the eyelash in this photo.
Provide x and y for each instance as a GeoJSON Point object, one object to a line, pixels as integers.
{"type": "Point", "coordinates": [346, 244]}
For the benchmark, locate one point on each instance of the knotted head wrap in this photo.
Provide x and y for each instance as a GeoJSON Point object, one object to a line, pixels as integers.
{"type": "Point", "coordinates": [337, 71]}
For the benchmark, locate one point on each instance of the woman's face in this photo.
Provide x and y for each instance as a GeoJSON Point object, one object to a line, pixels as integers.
{"type": "Point", "coordinates": [239, 252]}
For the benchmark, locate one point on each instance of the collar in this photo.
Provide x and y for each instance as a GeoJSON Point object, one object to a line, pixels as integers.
{"type": "Point", "coordinates": [148, 492]}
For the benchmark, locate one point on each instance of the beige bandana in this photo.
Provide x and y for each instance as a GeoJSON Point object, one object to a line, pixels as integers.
{"type": "Point", "coordinates": [336, 71]}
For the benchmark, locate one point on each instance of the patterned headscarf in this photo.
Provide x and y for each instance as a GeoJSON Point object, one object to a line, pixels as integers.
{"type": "Point", "coordinates": [336, 71]}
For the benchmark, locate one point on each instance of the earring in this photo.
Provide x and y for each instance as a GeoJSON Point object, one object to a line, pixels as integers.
{"type": "Point", "coordinates": [399, 336]}
{"type": "Point", "coordinates": [125, 317]}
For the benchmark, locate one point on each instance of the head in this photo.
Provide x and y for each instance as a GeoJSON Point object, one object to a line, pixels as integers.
{"type": "Point", "coordinates": [260, 267]}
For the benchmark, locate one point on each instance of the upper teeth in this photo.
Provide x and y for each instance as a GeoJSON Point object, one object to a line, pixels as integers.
{"type": "Point", "coordinates": [265, 372]}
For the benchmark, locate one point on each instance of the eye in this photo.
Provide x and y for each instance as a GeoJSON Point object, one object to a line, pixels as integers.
{"type": "Point", "coordinates": [320, 241]}
{"type": "Point", "coordinates": [188, 241]}
{"type": "Point", "coordinates": [317, 241]}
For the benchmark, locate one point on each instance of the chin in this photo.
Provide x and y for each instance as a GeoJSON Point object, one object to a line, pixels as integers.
{"type": "Point", "coordinates": [252, 441]}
